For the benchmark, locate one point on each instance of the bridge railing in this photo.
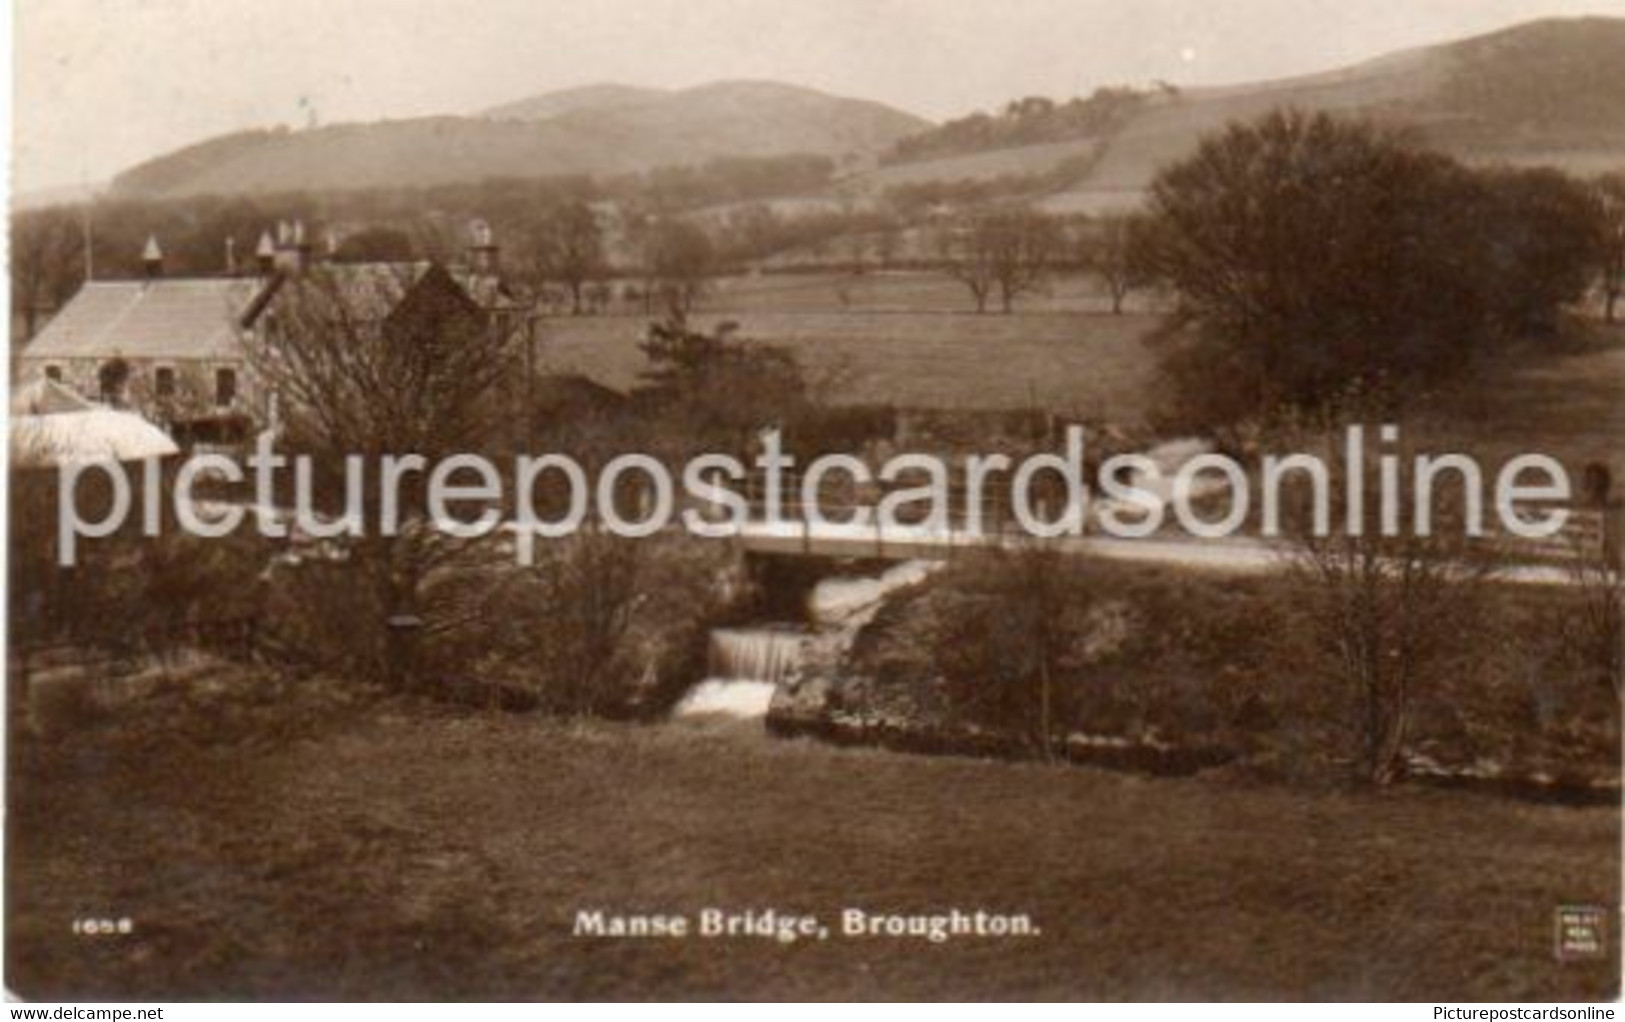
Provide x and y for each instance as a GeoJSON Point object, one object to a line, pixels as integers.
{"type": "Point", "coordinates": [1591, 531]}
{"type": "Point", "coordinates": [838, 500]}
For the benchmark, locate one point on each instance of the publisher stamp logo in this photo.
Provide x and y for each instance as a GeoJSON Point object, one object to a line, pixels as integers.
{"type": "Point", "coordinates": [1582, 932]}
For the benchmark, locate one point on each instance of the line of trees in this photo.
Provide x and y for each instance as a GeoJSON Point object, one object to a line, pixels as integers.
{"type": "Point", "coordinates": [1028, 121]}
{"type": "Point", "coordinates": [49, 245]}
{"type": "Point", "coordinates": [1550, 236]}
{"type": "Point", "coordinates": [1000, 254]}
{"type": "Point", "coordinates": [1003, 253]}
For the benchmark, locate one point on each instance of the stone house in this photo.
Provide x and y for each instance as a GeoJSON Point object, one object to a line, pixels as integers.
{"type": "Point", "coordinates": [176, 349]}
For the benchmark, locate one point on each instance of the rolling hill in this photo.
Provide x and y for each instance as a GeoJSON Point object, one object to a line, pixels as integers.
{"type": "Point", "coordinates": [1546, 92]}
{"type": "Point", "coordinates": [602, 96]}
{"type": "Point", "coordinates": [596, 130]}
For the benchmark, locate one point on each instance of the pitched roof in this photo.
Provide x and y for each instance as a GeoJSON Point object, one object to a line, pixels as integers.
{"type": "Point", "coordinates": [368, 291]}
{"type": "Point", "coordinates": [198, 318]}
{"type": "Point", "coordinates": [162, 318]}
{"type": "Point", "coordinates": [373, 290]}
{"type": "Point", "coordinates": [47, 397]}
{"type": "Point", "coordinates": [70, 438]}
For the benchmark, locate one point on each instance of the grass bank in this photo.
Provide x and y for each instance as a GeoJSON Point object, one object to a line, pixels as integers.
{"type": "Point", "coordinates": [394, 850]}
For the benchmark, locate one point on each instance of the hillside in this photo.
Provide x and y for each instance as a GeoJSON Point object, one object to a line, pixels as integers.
{"type": "Point", "coordinates": [598, 130]}
{"type": "Point", "coordinates": [602, 96]}
{"type": "Point", "coordinates": [1547, 92]}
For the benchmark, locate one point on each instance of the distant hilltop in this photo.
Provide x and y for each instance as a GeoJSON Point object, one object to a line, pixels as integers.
{"type": "Point", "coordinates": [1546, 92]}
{"type": "Point", "coordinates": [603, 129]}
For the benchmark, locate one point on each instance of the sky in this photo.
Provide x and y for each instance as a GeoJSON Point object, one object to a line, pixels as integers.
{"type": "Point", "coordinates": [102, 84]}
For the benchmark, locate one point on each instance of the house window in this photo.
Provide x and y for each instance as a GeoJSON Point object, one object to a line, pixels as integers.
{"type": "Point", "coordinates": [163, 381]}
{"type": "Point", "coordinates": [225, 387]}
{"type": "Point", "coordinates": [53, 373]}
{"type": "Point", "coordinates": [112, 377]}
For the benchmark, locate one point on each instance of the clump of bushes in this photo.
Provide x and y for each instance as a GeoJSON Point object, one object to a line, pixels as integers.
{"type": "Point", "coordinates": [601, 625]}
{"type": "Point", "coordinates": [1040, 648]}
{"type": "Point", "coordinates": [1044, 646]}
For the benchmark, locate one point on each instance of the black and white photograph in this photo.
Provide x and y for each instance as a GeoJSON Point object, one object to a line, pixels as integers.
{"type": "Point", "coordinates": [815, 500]}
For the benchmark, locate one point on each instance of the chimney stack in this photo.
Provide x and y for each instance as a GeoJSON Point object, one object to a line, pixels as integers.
{"type": "Point", "coordinates": [265, 253]}
{"type": "Point", "coordinates": [292, 250]}
{"type": "Point", "coordinates": [482, 248]}
{"type": "Point", "coordinates": [152, 258]}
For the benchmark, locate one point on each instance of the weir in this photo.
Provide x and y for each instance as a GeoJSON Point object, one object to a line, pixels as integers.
{"type": "Point", "coordinates": [746, 666]}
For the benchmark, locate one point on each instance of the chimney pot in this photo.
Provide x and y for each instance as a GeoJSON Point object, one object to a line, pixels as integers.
{"type": "Point", "coordinates": [265, 253]}
{"type": "Point", "coordinates": [292, 250]}
{"type": "Point", "coordinates": [482, 248]}
{"type": "Point", "coordinates": [152, 257]}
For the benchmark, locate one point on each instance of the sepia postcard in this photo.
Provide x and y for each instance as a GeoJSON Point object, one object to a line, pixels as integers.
{"type": "Point", "coordinates": [815, 500]}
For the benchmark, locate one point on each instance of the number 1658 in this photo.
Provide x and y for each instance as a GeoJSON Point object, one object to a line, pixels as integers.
{"type": "Point", "coordinates": [91, 927]}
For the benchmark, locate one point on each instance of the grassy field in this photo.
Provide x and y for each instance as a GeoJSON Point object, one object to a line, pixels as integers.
{"type": "Point", "coordinates": [913, 339]}
{"type": "Point", "coordinates": [1057, 352]}
{"type": "Point", "coordinates": [1569, 405]}
{"type": "Point", "coordinates": [392, 850]}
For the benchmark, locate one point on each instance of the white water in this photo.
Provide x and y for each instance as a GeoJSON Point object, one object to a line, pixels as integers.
{"type": "Point", "coordinates": [715, 697]}
{"type": "Point", "coordinates": [747, 665]}
{"type": "Point", "coordinates": [853, 601]}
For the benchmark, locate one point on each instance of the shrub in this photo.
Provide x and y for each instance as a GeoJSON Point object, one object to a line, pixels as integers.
{"type": "Point", "coordinates": [1200, 660]}
{"type": "Point", "coordinates": [601, 625]}
{"type": "Point", "coordinates": [1311, 253]}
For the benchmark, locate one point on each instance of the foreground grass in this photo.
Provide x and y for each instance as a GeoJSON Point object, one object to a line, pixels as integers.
{"type": "Point", "coordinates": [401, 851]}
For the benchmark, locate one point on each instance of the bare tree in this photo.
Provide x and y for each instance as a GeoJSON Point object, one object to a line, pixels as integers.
{"type": "Point", "coordinates": [1105, 249]}
{"type": "Point", "coordinates": [1008, 638]}
{"type": "Point", "coordinates": [567, 248]}
{"type": "Point", "coordinates": [1610, 194]}
{"type": "Point", "coordinates": [679, 261]}
{"type": "Point", "coordinates": [592, 588]}
{"type": "Point", "coordinates": [47, 252]}
{"type": "Point", "coordinates": [384, 362]}
{"type": "Point", "coordinates": [1006, 253]}
{"type": "Point", "coordinates": [1384, 610]}
{"type": "Point", "coordinates": [1594, 629]}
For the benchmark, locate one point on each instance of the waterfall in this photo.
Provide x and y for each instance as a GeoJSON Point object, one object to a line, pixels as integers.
{"type": "Point", "coordinates": [747, 665]}
{"type": "Point", "coordinates": [755, 654]}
